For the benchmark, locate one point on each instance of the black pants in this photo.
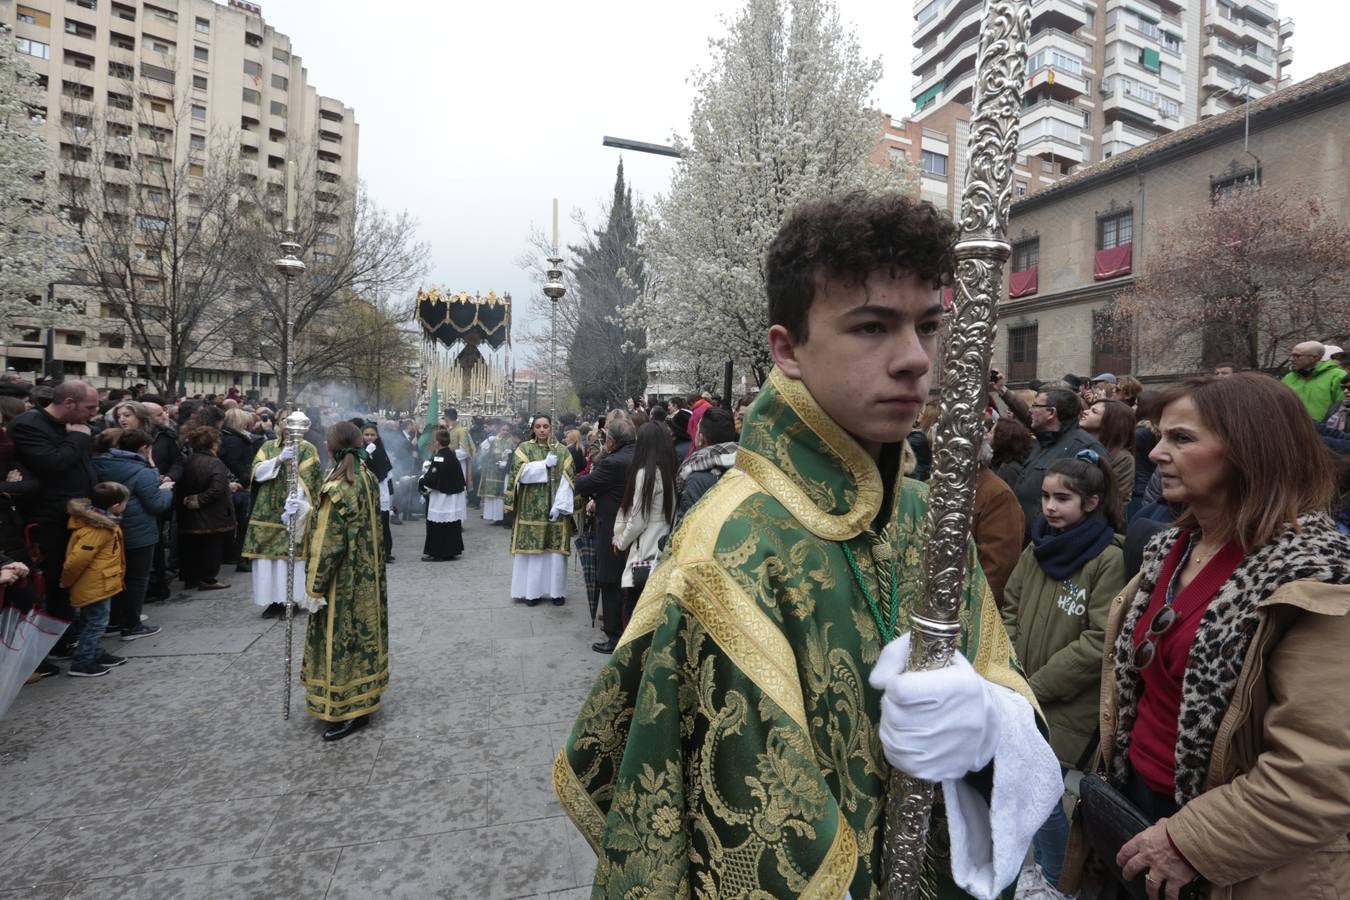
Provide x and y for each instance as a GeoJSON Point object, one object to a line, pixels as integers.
{"type": "Point", "coordinates": [200, 555]}
{"type": "Point", "coordinates": [388, 535]}
{"type": "Point", "coordinates": [126, 606]}
{"type": "Point", "coordinates": [52, 538]}
{"type": "Point", "coordinates": [242, 501]}
{"type": "Point", "coordinates": [611, 608]}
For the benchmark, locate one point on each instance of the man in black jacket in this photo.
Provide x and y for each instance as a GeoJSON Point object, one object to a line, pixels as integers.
{"type": "Point", "coordinates": [605, 485]}
{"type": "Point", "coordinates": [1054, 419]}
{"type": "Point", "coordinates": [54, 444]}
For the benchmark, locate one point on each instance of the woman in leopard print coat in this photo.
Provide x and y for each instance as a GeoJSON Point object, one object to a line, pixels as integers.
{"type": "Point", "coordinates": [1224, 713]}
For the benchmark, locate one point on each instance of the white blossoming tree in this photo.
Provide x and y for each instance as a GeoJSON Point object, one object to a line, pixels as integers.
{"type": "Point", "coordinates": [781, 117]}
{"type": "Point", "coordinates": [30, 254]}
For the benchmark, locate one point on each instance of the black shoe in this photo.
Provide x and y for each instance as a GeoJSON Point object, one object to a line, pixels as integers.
{"type": "Point", "coordinates": [89, 669]}
{"type": "Point", "coordinates": [62, 652]}
{"type": "Point", "coordinates": [559, 601]}
{"type": "Point", "coordinates": [245, 565]}
{"type": "Point", "coordinates": [340, 730]}
{"type": "Point", "coordinates": [533, 601]}
{"type": "Point", "coordinates": [112, 662]}
{"type": "Point", "coordinates": [47, 669]}
{"type": "Point", "coordinates": [274, 611]}
{"type": "Point", "coordinates": [389, 558]}
{"type": "Point", "coordinates": [606, 646]}
{"type": "Point", "coordinates": [426, 558]}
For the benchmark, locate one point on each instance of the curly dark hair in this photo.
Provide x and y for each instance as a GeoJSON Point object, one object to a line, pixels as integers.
{"type": "Point", "coordinates": [848, 237]}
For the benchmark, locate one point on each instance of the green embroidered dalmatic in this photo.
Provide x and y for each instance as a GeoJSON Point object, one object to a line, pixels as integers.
{"type": "Point", "coordinates": [492, 480]}
{"type": "Point", "coordinates": [532, 531]}
{"type": "Point", "coordinates": [266, 536]}
{"type": "Point", "coordinates": [346, 665]}
{"type": "Point", "coordinates": [729, 747]}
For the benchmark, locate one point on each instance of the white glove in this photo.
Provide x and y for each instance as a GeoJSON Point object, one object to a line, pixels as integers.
{"type": "Point", "coordinates": [294, 505]}
{"type": "Point", "coordinates": [370, 448]}
{"type": "Point", "coordinates": [166, 485]}
{"type": "Point", "coordinates": [501, 465]}
{"type": "Point", "coordinates": [551, 460]}
{"type": "Point", "coordinates": [936, 725]}
{"type": "Point", "coordinates": [553, 515]}
{"type": "Point", "coordinates": [286, 454]}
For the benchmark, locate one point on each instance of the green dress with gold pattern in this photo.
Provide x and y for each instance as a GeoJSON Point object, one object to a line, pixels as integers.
{"type": "Point", "coordinates": [346, 664]}
{"type": "Point", "coordinates": [729, 747]}
{"type": "Point", "coordinates": [532, 532]}
{"type": "Point", "coordinates": [266, 537]}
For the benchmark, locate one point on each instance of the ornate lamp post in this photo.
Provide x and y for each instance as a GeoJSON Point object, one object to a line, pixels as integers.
{"type": "Point", "coordinates": [554, 291]}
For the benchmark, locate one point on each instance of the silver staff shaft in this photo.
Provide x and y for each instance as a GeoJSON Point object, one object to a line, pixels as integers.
{"type": "Point", "coordinates": [297, 423]}
{"type": "Point", "coordinates": [981, 251]}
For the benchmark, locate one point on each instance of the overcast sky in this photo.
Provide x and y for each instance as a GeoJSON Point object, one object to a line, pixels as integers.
{"type": "Point", "coordinates": [474, 115]}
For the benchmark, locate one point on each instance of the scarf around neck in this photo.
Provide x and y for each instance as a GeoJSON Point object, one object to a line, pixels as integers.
{"type": "Point", "coordinates": [1061, 553]}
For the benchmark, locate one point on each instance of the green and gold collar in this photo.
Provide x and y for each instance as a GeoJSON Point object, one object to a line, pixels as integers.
{"type": "Point", "coordinates": [808, 463]}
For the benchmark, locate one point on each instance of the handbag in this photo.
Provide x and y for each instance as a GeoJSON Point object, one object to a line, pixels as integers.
{"type": "Point", "coordinates": [1110, 821]}
{"type": "Point", "coordinates": [640, 571]}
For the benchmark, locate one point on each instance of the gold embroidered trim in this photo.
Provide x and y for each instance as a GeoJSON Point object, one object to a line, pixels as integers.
{"type": "Point", "coordinates": [835, 874]}
{"type": "Point", "coordinates": [822, 524]}
{"type": "Point", "coordinates": [578, 805]}
{"type": "Point", "coordinates": [751, 640]}
{"type": "Point", "coordinates": [866, 476]}
{"type": "Point", "coordinates": [995, 652]}
{"type": "Point", "coordinates": [697, 543]}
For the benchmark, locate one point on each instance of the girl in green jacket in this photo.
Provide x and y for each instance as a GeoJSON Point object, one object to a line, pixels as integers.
{"type": "Point", "coordinates": [1055, 607]}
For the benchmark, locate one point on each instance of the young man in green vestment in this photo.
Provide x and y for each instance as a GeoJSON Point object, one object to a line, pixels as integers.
{"type": "Point", "coordinates": [739, 741]}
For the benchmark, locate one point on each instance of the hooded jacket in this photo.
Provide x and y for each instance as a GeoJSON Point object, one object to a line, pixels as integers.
{"type": "Point", "coordinates": [1319, 387]}
{"type": "Point", "coordinates": [140, 520]}
{"type": "Point", "coordinates": [96, 560]}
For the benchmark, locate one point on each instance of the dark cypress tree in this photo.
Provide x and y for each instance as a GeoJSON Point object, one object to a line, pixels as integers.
{"type": "Point", "coordinates": [607, 361]}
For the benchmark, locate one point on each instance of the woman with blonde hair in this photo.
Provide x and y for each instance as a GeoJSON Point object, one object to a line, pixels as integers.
{"type": "Point", "coordinates": [346, 665]}
{"type": "Point", "coordinates": [1222, 720]}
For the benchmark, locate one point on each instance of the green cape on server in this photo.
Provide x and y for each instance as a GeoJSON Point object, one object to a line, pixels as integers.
{"type": "Point", "coordinates": [729, 748]}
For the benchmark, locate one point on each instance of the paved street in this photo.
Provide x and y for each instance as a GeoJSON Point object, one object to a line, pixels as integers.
{"type": "Point", "coordinates": [175, 776]}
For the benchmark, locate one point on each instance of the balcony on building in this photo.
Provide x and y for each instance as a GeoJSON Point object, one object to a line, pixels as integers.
{"type": "Point", "coordinates": [937, 16]}
{"type": "Point", "coordinates": [1065, 15]}
{"type": "Point", "coordinates": [1259, 63]}
{"type": "Point", "coordinates": [940, 44]}
{"type": "Point", "coordinates": [1119, 136]}
{"type": "Point", "coordinates": [1050, 138]}
{"type": "Point", "coordinates": [1049, 108]}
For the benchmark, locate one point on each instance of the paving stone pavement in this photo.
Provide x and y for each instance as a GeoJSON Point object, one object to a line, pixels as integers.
{"type": "Point", "coordinates": [176, 777]}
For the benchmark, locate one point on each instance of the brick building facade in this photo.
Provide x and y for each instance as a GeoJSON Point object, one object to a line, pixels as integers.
{"type": "Point", "coordinates": [1079, 242]}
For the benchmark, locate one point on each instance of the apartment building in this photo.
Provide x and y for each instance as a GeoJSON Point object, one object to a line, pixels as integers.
{"type": "Point", "coordinates": [1103, 76]}
{"type": "Point", "coordinates": [214, 73]}
{"type": "Point", "coordinates": [1079, 243]}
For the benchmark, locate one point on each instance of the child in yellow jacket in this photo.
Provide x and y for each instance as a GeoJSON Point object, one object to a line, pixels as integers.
{"type": "Point", "coordinates": [95, 571]}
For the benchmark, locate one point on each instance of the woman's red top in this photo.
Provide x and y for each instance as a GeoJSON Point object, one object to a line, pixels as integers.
{"type": "Point", "coordinates": [1153, 741]}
